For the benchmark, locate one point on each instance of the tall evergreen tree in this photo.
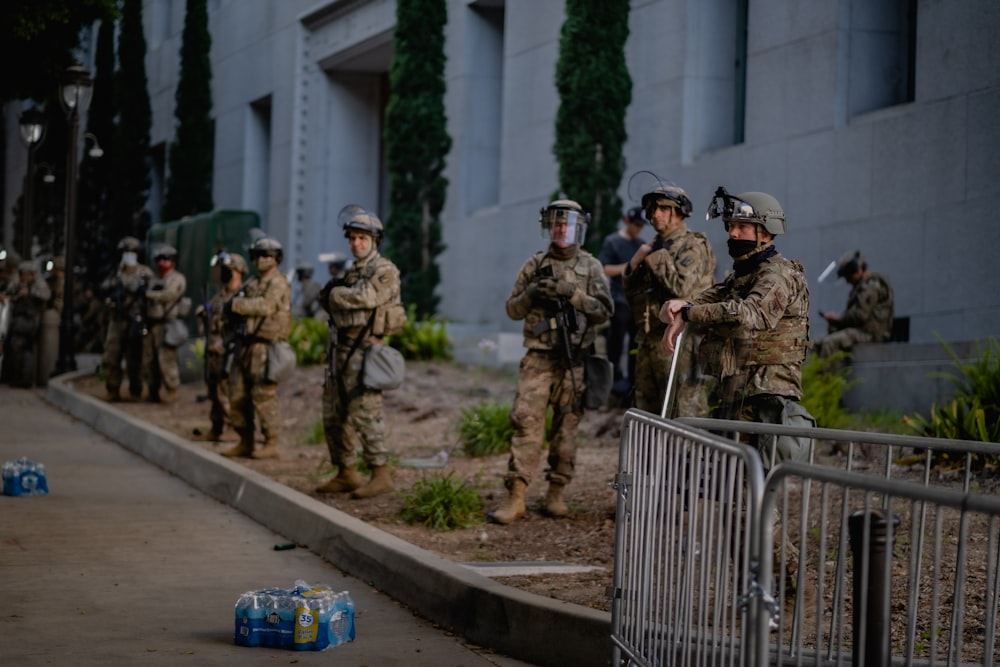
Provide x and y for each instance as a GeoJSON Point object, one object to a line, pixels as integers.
{"type": "Point", "coordinates": [417, 143]}
{"type": "Point", "coordinates": [131, 159]}
{"type": "Point", "coordinates": [595, 89]}
{"type": "Point", "coordinates": [189, 183]}
{"type": "Point", "coordinates": [93, 214]}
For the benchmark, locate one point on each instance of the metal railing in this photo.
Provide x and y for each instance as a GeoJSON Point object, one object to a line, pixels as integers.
{"type": "Point", "coordinates": [720, 563]}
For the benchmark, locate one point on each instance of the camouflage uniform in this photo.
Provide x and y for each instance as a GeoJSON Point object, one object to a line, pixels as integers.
{"type": "Point", "coordinates": [309, 304]}
{"type": "Point", "coordinates": [216, 378]}
{"type": "Point", "coordinates": [867, 319]}
{"type": "Point", "coordinates": [27, 302]}
{"type": "Point", "coordinates": [159, 359]}
{"type": "Point", "coordinates": [264, 306]}
{"type": "Point", "coordinates": [352, 414]}
{"type": "Point", "coordinates": [127, 327]}
{"type": "Point", "coordinates": [679, 266]}
{"type": "Point", "coordinates": [545, 377]}
{"type": "Point", "coordinates": [756, 331]}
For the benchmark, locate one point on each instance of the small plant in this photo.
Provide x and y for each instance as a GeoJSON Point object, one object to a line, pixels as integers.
{"type": "Point", "coordinates": [442, 502]}
{"type": "Point", "coordinates": [422, 339]}
{"type": "Point", "coordinates": [824, 382]}
{"type": "Point", "coordinates": [309, 338]}
{"type": "Point", "coordinates": [485, 430]}
{"type": "Point", "coordinates": [316, 435]}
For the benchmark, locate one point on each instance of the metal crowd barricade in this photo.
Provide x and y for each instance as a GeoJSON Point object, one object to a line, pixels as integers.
{"type": "Point", "coordinates": [843, 561]}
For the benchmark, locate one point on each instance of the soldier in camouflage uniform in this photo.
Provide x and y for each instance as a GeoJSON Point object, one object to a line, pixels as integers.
{"type": "Point", "coordinates": [259, 314]}
{"type": "Point", "coordinates": [125, 296]}
{"type": "Point", "coordinates": [677, 264]}
{"type": "Point", "coordinates": [27, 298]}
{"type": "Point", "coordinates": [868, 317]}
{"type": "Point", "coordinates": [562, 296]}
{"type": "Point", "coordinates": [232, 269]}
{"type": "Point", "coordinates": [308, 304]}
{"type": "Point", "coordinates": [164, 304]}
{"type": "Point", "coordinates": [756, 321]}
{"type": "Point", "coordinates": [364, 307]}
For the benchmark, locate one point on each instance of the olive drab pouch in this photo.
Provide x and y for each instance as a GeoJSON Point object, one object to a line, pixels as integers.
{"type": "Point", "coordinates": [175, 333]}
{"type": "Point", "coordinates": [598, 375]}
{"type": "Point", "coordinates": [384, 368]}
{"type": "Point", "coordinates": [280, 361]}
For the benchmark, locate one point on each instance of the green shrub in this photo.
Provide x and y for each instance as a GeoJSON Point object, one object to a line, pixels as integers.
{"type": "Point", "coordinates": [485, 430]}
{"type": "Point", "coordinates": [442, 502]}
{"type": "Point", "coordinates": [309, 338]}
{"type": "Point", "coordinates": [422, 339]}
{"type": "Point", "coordinates": [824, 382]}
{"type": "Point", "coordinates": [316, 435]}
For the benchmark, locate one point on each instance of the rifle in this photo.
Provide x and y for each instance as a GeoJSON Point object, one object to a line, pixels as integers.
{"type": "Point", "coordinates": [331, 350]}
{"type": "Point", "coordinates": [234, 341]}
{"type": "Point", "coordinates": [560, 315]}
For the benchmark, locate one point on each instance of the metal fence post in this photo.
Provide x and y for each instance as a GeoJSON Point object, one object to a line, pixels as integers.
{"type": "Point", "coordinates": [872, 587]}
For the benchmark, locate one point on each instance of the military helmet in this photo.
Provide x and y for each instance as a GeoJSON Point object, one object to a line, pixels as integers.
{"type": "Point", "coordinates": [366, 222]}
{"type": "Point", "coordinates": [231, 260]}
{"type": "Point", "coordinates": [667, 195]}
{"type": "Point", "coordinates": [304, 270]}
{"type": "Point", "coordinates": [757, 207]}
{"type": "Point", "coordinates": [568, 212]}
{"type": "Point", "coordinates": [129, 244]}
{"type": "Point", "coordinates": [165, 251]}
{"type": "Point", "coordinates": [266, 247]}
{"type": "Point", "coordinates": [849, 263]}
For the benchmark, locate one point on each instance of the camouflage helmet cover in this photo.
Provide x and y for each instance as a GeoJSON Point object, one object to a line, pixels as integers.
{"type": "Point", "coordinates": [266, 247]}
{"type": "Point", "coordinates": [165, 251]}
{"type": "Point", "coordinates": [304, 269]}
{"type": "Point", "coordinates": [129, 244]}
{"type": "Point", "coordinates": [232, 260]}
{"type": "Point", "coordinates": [667, 195]}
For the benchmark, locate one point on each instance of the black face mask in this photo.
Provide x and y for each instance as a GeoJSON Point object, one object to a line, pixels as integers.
{"type": "Point", "coordinates": [225, 275]}
{"type": "Point", "coordinates": [738, 248]}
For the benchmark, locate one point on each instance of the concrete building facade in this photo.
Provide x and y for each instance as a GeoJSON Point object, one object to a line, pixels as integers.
{"type": "Point", "coordinates": [871, 121]}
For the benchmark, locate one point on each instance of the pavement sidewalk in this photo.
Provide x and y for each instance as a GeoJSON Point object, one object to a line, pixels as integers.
{"type": "Point", "coordinates": [125, 564]}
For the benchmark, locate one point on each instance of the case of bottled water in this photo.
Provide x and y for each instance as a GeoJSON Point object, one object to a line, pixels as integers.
{"type": "Point", "coordinates": [302, 618]}
{"type": "Point", "coordinates": [24, 478]}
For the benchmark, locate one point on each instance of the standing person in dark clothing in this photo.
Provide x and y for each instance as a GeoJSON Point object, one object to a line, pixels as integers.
{"type": "Point", "coordinates": [616, 251]}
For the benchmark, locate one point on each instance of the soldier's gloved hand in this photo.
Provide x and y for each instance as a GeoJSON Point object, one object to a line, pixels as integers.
{"type": "Point", "coordinates": [547, 288]}
{"type": "Point", "coordinates": [565, 288]}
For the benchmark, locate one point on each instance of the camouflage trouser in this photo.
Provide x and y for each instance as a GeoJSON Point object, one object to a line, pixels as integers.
{"type": "Point", "coordinates": [159, 361]}
{"type": "Point", "coordinates": [250, 394]}
{"type": "Point", "coordinates": [19, 359]}
{"type": "Point", "coordinates": [544, 380]}
{"type": "Point", "coordinates": [652, 369]}
{"type": "Point", "coordinates": [352, 415]}
{"type": "Point", "coordinates": [840, 341]}
{"type": "Point", "coordinates": [218, 390]}
{"type": "Point", "coordinates": [118, 348]}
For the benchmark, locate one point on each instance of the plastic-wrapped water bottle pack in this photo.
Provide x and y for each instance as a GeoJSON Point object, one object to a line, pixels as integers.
{"type": "Point", "coordinates": [302, 618]}
{"type": "Point", "coordinates": [24, 477]}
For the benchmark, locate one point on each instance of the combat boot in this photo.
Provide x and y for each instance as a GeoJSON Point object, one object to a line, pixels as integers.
{"type": "Point", "coordinates": [555, 506]}
{"type": "Point", "coordinates": [513, 507]}
{"type": "Point", "coordinates": [113, 396]}
{"type": "Point", "coordinates": [243, 448]}
{"type": "Point", "coordinates": [347, 479]}
{"type": "Point", "coordinates": [381, 482]}
{"type": "Point", "coordinates": [268, 451]}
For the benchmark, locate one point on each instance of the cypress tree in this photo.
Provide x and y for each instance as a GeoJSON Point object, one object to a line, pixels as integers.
{"type": "Point", "coordinates": [595, 89]}
{"type": "Point", "coordinates": [189, 183]}
{"type": "Point", "coordinates": [417, 143]}
{"type": "Point", "coordinates": [131, 156]}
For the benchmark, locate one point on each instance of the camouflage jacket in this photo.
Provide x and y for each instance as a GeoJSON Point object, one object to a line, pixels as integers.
{"type": "Point", "coordinates": [756, 326]}
{"type": "Point", "coordinates": [589, 307]}
{"type": "Point", "coordinates": [679, 266]}
{"type": "Point", "coordinates": [125, 291]}
{"type": "Point", "coordinates": [164, 296]}
{"type": "Point", "coordinates": [216, 328]}
{"type": "Point", "coordinates": [370, 291]}
{"type": "Point", "coordinates": [869, 308]}
{"type": "Point", "coordinates": [266, 303]}
{"type": "Point", "coordinates": [26, 310]}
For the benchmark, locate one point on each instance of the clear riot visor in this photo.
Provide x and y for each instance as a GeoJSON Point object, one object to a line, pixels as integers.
{"type": "Point", "coordinates": [564, 226]}
{"type": "Point", "coordinates": [728, 208]}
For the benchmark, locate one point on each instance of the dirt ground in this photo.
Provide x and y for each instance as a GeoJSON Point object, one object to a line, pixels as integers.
{"type": "Point", "coordinates": [423, 416]}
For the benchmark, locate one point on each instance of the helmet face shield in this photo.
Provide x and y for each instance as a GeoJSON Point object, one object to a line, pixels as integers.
{"type": "Point", "coordinates": [563, 226]}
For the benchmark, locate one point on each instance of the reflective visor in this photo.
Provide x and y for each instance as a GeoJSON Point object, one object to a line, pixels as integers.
{"type": "Point", "coordinates": [564, 227]}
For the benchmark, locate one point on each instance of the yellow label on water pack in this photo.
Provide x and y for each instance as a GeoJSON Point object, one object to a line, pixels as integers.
{"type": "Point", "coordinates": [306, 625]}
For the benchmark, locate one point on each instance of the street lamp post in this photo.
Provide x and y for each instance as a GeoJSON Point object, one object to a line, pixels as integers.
{"type": "Point", "coordinates": [32, 126]}
{"type": "Point", "coordinates": [75, 96]}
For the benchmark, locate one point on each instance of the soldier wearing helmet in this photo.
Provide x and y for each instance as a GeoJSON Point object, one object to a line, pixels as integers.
{"type": "Point", "coordinates": [125, 301]}
{"type": "Point", "coordinates": [307, 304]}
{"type": "Point", "coordinates": [364, 307]}
{"type": "Point", "coordinates": [258, 314]}
{"type": "Point", "coordinates": [868, 316]}
{"type": "Point", "coordinates": [166, 306]}
{"type": "Point", "coordinates": [677, 264]}
{"type": "Point", "coordinates": [755, 322]}
{"type": "Point", "coordinates": [27, 300]}
{"type": "Point", "coordinates": [562, 296]}
{"type": "Point", "coordinates": [232, 269]}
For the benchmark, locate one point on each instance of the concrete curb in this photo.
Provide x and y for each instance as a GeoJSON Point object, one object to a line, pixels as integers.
{"type": "Point", "coordinates": [522, 625]}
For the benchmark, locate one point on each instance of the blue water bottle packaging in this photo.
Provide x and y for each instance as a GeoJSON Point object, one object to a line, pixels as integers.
{"type": "Point", "coordinates": [24, 477]}
{"type": "Point", "coordinates": [302, 618]}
